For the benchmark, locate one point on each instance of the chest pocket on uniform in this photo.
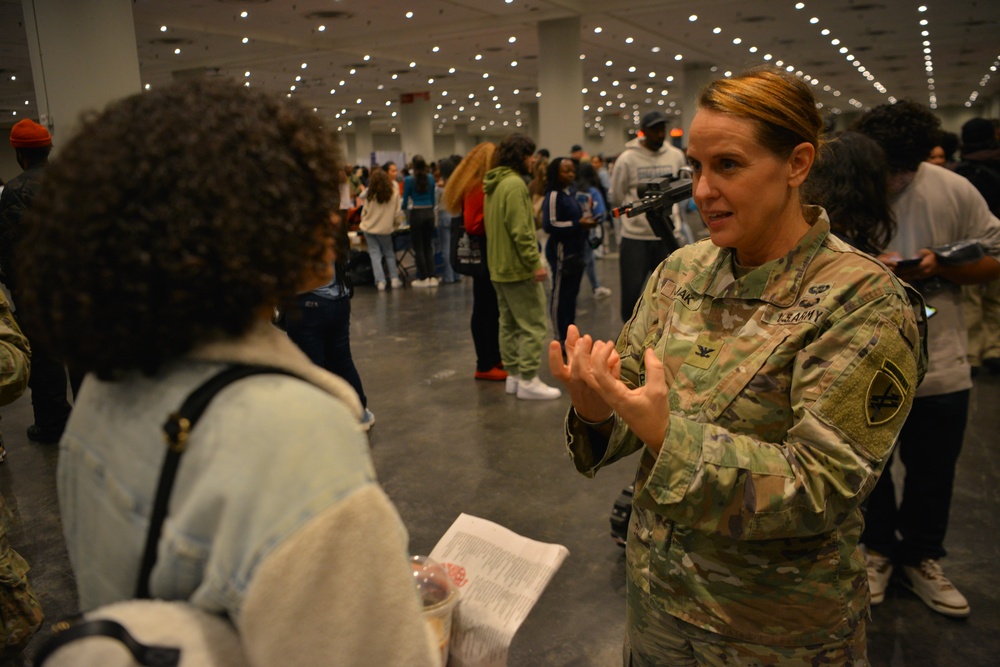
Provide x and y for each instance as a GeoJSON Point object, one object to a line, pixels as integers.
{"type": "Point", "coordinates": [747, 380]}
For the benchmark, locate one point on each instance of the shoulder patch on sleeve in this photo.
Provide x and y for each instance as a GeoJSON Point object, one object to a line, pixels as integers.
{"type": "Point", "coordinates": [872, 397]}
{"type": "Point", "coordinates": [885, 394]}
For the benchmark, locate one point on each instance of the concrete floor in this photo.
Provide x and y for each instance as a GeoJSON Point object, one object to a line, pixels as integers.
{"type": "Point", "coordinates": [444, 444]}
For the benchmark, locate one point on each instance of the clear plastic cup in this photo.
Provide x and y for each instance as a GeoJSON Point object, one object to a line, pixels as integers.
{"type": "Point", "coordinates": [439, 596]}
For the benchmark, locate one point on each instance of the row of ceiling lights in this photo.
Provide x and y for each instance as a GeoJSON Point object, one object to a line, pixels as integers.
{"type": "Point", "coordinates": [609, 63]}
{"type": "Point", "coordinates": [656, 49]}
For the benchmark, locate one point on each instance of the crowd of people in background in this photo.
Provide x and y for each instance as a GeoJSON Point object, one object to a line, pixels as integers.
{"type": "Point", "coordinates": [892, 217]}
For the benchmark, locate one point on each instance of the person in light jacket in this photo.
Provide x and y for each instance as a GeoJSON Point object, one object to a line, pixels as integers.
{"type": "Point", "coordinates": [217, 203]}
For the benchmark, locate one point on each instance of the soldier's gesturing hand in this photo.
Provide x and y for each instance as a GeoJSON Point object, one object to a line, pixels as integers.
{"type": "Point", "coordinates": [593, 381]}
{"type": "Point", "coordinates": [575, 373]}
{"type": "Point", "coordinates": [645, 409]}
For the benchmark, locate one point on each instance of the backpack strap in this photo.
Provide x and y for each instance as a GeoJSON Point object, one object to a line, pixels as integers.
{"type": "Point", "coordinates": [177, 429]}
{"type": "Point", "coordinates": [144, 654]}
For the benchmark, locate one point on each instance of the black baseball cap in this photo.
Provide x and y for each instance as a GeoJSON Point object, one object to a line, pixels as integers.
{"type": "Point", "coordinates": [653, 118]}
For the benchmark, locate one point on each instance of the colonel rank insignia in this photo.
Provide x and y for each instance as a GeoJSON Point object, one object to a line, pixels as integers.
{"type": "Point", "coordinates": [885, 394]}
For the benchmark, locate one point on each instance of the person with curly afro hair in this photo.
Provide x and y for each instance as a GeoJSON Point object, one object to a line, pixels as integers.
{"type": "Point", "coordinates": [169, 229]}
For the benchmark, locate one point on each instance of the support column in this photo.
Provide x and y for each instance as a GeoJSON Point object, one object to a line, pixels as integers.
{"type": "Point", "coordinates": [363, 145]}
{"type": "Point", "coordinates": [463, 144]}
{"type": "Point", "coordinates": [416, 125]}
{"type": "Point", "coordinates": [83, 56]}
{"type": "Point", "coordinates": [696, 77]}
{"type": "Point", "coordinates": [615, 134]}
{"type": "Point", "coordinates": [560, 80]}
{"type": "Point", "coordinates": [529, 114]}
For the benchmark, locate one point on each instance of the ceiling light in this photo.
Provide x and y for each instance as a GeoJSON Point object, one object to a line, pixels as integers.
{"type": "Point", "coordinates": [693, 18]}
{"type": "Point", "coordinates": [597, 30]}
{"type": "Point", "coordinates": [321, 28]}
{"type": "Point", "coordinates": [243, 15]}
{"type": "Point", "coordinates": [409, 15]}
{"type": "Point", "coordinates": [511, 39]}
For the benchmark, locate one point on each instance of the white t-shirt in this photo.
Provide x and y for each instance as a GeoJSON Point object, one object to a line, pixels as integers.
{"type": "Point", "coordinates": [940, 207]}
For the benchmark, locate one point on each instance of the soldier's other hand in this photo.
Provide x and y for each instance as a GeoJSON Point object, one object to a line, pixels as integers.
{"type": "Point", "coordinates": [574, 374]}
{"type": "Point", "coordinates": [540, 275]}
{"type": "Point", "coordinates": [645, 409]}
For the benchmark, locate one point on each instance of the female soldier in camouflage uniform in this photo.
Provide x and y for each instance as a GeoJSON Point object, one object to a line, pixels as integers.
{"type": "Point", "coordinates": [764, 377]}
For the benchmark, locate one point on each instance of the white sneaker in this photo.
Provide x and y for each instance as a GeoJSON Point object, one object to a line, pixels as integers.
{"type": "Point", "coordinates": [512, 382]}
{"type": "Point", "coordinates": [536, 390]}
{"type": "Point", "coordinates": [422, 282]}
{"type": "Point", "coordinates": [602, 292]}
{"type": "Point", "coordinates": [380, 285]}
{"type": "Point", "coordinates": [937, 592]}
{"type": "Point", "coordinates": [433, 281]}
{"type": "Point", "coordinates": [396, 283]}
{"type": "Point", "coordinates": [879, 572]}
{"type": "Point", "coordinates": [367, 420]}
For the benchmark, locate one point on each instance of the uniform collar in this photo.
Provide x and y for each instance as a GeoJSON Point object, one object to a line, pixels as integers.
{"type": "Point", "coordinates": [777, 282]}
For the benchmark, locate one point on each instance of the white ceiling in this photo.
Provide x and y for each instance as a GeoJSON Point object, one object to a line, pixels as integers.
{"type": "Point", "coordinates": [377, 41]}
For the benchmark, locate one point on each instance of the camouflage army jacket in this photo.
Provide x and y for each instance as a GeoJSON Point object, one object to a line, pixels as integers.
{"type": "Point", "coordinates": [15, 356]}
{"type": "Point", "coordinates": [789, 386]}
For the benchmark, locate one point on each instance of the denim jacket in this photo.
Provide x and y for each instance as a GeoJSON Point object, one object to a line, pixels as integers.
{"type": "Point", "coordinates": [261, 488]}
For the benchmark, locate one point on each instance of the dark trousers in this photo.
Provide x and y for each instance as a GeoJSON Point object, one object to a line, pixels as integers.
{"type": "Point", "coordinates": [422, 235]}
{"type": "Point", "coordinates": [47, 382]}
{"type": "Point", "coordinates": [567, 262]}
{"type": "Point", "coordinates": [929, 445]}
{"type": "Point", "coordinates": [322, 328]}
{"type": "Point", "coordinates": [485, 323]}
{"type": "Point", "coordinates": [636, 260]}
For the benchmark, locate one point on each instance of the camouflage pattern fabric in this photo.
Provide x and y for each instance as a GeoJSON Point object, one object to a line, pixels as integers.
{"type": "Point", "coordinates": [20, 613]}
{"type": "Point", "coordinates": [656, 639]}
{"type": "Point", "coordinates": [15, 355]}
{"type": "Point", "coordinates": [789, 386]}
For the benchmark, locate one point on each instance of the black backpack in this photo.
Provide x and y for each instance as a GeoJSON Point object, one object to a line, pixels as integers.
{"type": "Point", "coordinates": [986, 178]}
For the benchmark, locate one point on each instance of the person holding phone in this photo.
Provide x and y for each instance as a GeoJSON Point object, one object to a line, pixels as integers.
{"type": "Point", "coordinates": [933, 206]}
{"type": "Point", "coordinates": [567, 223]}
